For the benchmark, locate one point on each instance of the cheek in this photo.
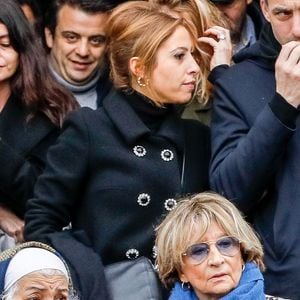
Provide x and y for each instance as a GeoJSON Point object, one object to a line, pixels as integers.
{"type": "Point", "coordinates": [12, 62]}
{"type": "Point", "coordinates": [98, 53]}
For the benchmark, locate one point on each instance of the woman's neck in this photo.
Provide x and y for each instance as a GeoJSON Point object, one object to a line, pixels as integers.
{"type": "Point", "coordinates": [5, 92]}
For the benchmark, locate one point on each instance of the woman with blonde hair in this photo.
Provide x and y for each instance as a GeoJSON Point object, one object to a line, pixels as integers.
{"type": "Point", "coordinates": [206, 250]}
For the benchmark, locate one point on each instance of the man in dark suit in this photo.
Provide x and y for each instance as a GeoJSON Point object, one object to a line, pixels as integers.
{"type": "Point", "coordinates": [256, 142]}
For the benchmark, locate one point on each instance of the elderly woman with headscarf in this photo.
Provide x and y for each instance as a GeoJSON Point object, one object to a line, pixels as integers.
{"type": "Point", "coordinates": [34, 271]}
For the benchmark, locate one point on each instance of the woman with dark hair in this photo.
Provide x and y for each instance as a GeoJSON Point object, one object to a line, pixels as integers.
{"type": "Point", "coordinates": [32, 108]}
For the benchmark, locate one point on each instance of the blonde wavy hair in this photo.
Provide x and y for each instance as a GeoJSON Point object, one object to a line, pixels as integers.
{"type": "Point", "coordinates": [196, 213]}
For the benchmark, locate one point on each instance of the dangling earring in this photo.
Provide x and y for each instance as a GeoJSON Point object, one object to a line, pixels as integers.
{"type": "Point", "coordinates": [243, 267]}
{"type": "Point", "coordinates": [185, 286]}
{"type": "Point", "coordinates": [141, 82]}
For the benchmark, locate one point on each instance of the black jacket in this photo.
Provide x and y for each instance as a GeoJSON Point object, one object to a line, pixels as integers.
{"type": "Point", "coordinates": [23, 147]}
{"type": "Point", "coordinates": [109, 175]}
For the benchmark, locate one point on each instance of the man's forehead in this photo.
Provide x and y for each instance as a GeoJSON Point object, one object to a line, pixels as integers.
{"type": "Point", "coordinates": [77, 14]}
{"type": "Point", "coordinates": [76, 20]}
{"type": "Point", "coordinates": [291, 4]}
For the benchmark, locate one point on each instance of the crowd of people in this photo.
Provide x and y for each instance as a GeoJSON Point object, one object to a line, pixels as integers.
{"type": "Point", "coordinates": [163, 130]}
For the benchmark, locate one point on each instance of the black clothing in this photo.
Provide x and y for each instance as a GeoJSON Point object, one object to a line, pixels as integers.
{"type": "Point", "coordinates": [23, 146]}
{"type": "Point", "coordinates": [112, 176]}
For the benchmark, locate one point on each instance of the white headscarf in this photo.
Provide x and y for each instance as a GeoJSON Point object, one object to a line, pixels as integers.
{"type": "Point", "coordinates": [29, 260]}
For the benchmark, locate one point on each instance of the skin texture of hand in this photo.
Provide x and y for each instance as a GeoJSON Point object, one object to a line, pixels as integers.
{"type": "Point", "coordinates": [11, 224]}
{"type": "Point", "coordinates": [222, 48]}
{"type": "Point", "coordinates": [287, 73]}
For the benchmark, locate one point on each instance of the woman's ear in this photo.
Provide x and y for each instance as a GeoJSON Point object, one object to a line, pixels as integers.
{"type": "Point", "coordinates": [136, 67]}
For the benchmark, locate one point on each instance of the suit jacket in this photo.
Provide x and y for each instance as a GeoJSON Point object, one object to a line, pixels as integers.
{"type": "Point", "coordinates": [109, 175]}
{"type": "Point", "coordinates": [23, 147]}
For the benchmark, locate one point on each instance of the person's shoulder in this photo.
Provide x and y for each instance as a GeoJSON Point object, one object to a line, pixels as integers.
{"type": "Point", "coordinates": [195, 126]}
{"type": "Point", "coordinates": [85, 115]}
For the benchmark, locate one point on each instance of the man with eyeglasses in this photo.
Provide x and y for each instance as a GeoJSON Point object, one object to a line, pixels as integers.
{"type": "Point", "coordinates": [256, 142]}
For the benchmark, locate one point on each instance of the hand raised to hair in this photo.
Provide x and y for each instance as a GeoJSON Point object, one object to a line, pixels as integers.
{"type": "Point", "coordinates": [219, 39]}
{"type": "Point", "coordinates": [11, 224]}
{"type": "Point", "coordinates": [287, 73]}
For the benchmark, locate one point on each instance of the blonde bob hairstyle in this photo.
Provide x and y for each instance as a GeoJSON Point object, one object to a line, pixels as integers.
{"type": "Point", "coordinates": [136, 29]}
{"type": "Point", "coordinates": [195, 214]}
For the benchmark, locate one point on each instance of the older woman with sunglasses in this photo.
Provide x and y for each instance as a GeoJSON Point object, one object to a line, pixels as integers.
{"type": "Point", "coordinates": [206, 250]}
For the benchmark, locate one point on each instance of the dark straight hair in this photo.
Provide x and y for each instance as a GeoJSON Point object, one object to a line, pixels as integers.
{"type": "Point", "coordinates": [32, 82]}
{"type": "Point", "coordinates": [88, 6]}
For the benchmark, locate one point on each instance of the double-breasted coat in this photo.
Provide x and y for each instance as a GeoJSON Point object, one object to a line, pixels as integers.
{"type": "Point", "coordinates": [111, 176]}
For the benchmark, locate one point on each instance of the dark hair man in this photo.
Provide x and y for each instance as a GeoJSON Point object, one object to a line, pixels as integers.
{"type": "Point", "coordinates": [75, 33]}
{"type": "Point", "coordinates": [256, 142]}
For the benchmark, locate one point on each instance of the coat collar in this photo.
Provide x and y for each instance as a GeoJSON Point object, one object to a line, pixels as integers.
{"type": "Point", "coordinates": [132, 128]}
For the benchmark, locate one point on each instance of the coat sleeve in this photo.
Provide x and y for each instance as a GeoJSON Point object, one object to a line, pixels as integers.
{"type": "Point", "coordinates": [19, 172]}
{"type": "Point", "coordinates": [244, 156]}
{"type": "Point", "coordinates": [61, 184]}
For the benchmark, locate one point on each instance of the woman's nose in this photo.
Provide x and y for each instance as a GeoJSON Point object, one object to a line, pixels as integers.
{"type": "Point", "coordinates": [194, 67]}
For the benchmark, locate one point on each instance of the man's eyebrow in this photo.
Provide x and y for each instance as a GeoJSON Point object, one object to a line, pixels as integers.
{"type": "Point", "coordinates": [69, 31]}
{"type": "Point", "coordinates": [279, 9]}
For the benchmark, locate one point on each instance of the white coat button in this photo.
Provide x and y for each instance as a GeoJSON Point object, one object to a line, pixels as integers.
{"type": "Point", "coordinates": [167, 155]}
{"type": "Point", "coordinates": [139, 151]}
{"type": "Point", "coordinates": [143, 199]}
{"type": "Point", "coordinates": [132, 253]}
{"type": "Point", "coordinates": [170, 204]}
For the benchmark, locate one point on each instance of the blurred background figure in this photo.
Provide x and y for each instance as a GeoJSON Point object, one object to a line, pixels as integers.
{"type": "Point", "coordinates": [32, 109]}
{"type": "Point", "coordinates": [34, 271]}
{"type": "Point", "coordinates": [34, 15]}
{"type": "Point", "coordinates": [245, 19]}
{"type": "Point", "coordinates": [31, 10]}
{"type": "Point", "coordinates": [206, 250]}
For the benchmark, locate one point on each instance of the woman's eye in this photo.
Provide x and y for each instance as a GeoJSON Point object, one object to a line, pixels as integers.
{"type": "Point", "coordinates": [179, 56]}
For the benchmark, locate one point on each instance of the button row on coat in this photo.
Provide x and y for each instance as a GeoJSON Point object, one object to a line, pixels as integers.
{"type": "Point", "coordinates": [144, 200]}
{"type": "Point", "coordinates": [134, 253]}
{"type": "Point", "coordinates": [166, 154]}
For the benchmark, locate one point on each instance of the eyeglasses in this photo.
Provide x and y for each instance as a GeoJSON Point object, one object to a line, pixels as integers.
{"type": "Point", "coordinates": [227, 245]}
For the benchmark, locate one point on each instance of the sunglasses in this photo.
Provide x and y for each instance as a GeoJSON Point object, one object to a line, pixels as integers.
{"type": "Point", "coordinates": [227, 245]}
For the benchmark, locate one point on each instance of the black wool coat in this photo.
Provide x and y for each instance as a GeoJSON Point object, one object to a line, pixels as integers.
{"type": "Point", "coordinates": [109, 175]}
{"type": "Point", "coordinates": [23, 147]}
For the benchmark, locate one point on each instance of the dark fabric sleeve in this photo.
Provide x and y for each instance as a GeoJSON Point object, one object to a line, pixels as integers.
{"type": "Point", "coordinates": [284, 111]}
{"type": "Point", "coordinates": [217, 72]}
{"type": "Point", "coordinates": [18, 172]}
{"type": "Point", "coordinates": [244, 158]}
{"type": "Point", "coordinates": [60, 186]}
